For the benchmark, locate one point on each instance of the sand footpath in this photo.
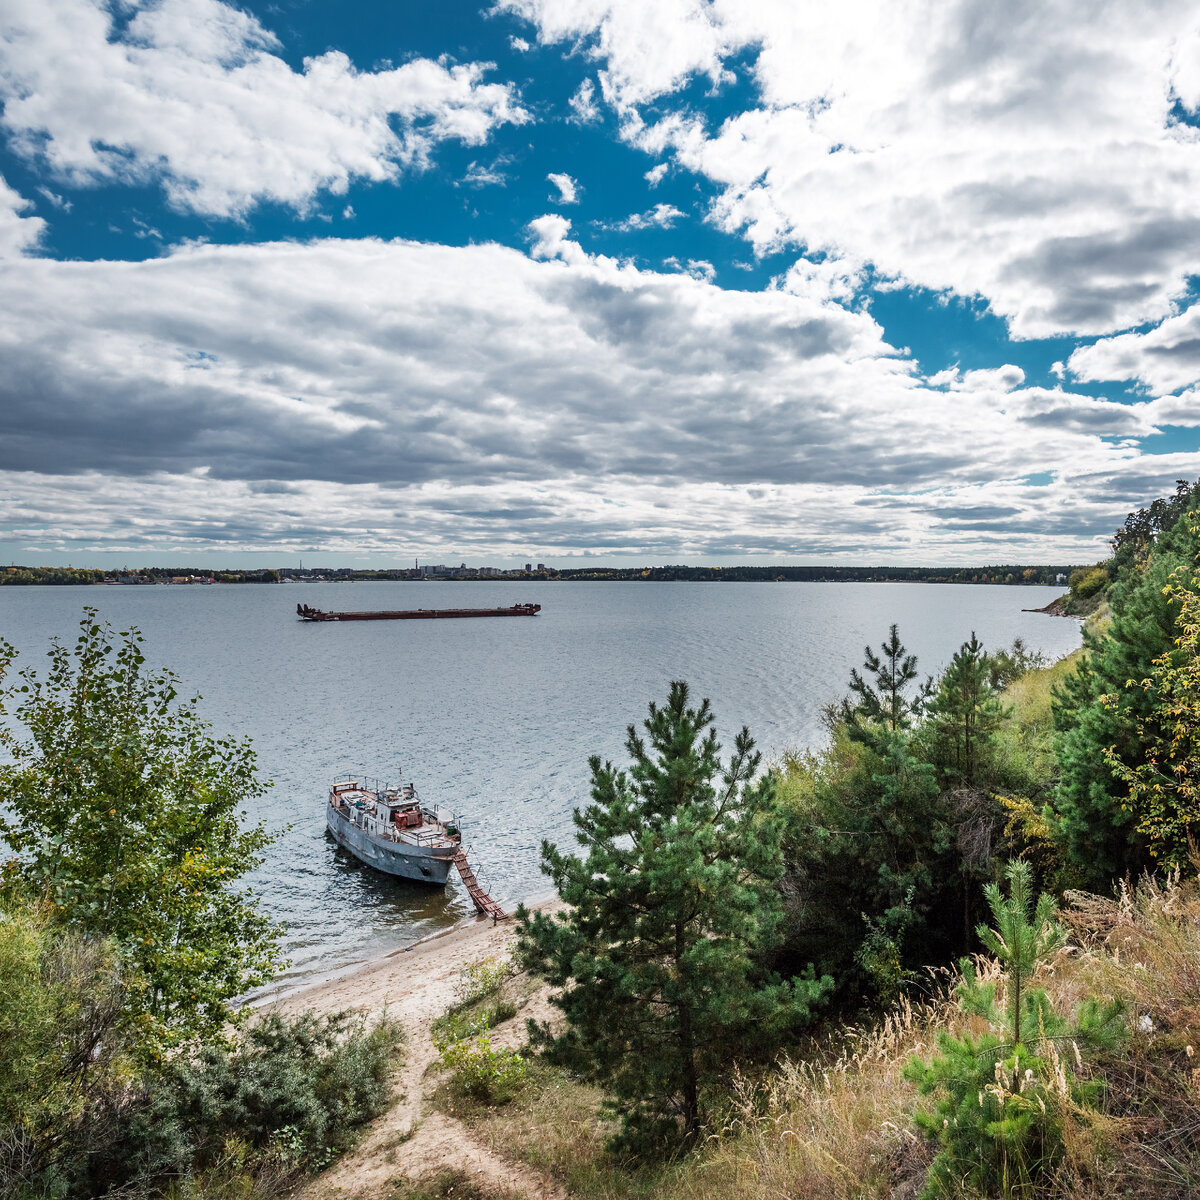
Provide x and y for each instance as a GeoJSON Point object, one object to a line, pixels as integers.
{"type": "Point", "coordinates": [415, 986]}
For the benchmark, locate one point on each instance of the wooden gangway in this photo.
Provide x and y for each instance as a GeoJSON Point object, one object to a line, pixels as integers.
{"type": "Point", "coordinates": [482, 901]}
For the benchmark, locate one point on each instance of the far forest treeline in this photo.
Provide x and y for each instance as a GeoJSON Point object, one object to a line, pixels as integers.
{"type": "Point", "coordinates": [1010, 574]}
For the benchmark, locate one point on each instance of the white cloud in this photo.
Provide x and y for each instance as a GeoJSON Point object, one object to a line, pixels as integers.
{"type": "Point", "coordinates": [583, 104]}
{"type": "Point", "coordinates": [520, 45]}
{"type": "Point", "coordinates": [492, 174]}
{"type": "Point", "coordinates": [661, 216]}
{"type": "Point", "coordinates": [568, 189]}
{"type": "Point", "coordinates": [235, 396]}
{"type": "Point", "coordinates": [190, 92]}
{"type": "Point", "coordinates": [655, 175]}
{"type": "Point", "coordinates": [1025, 154]}
{"type": "Point", "coordinates": [18, 233]}
{"type": "Point", "coordinates": [830, 279]}
{"type": "Point", "coordinates": [648, 48]}
{"type": "Point", "coordinates": [1162, 359]}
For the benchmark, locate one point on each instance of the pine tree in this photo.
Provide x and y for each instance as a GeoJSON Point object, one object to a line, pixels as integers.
{"type": "Point", "coordinates": [965, 714]}
{"type": "Point", "coordinates": [884, 701]}
{"type": "Point", "coordinates": [996, 1121]}
{"type": "Point", "coordinates": [660, 958]}
{"type": "Point", "coordinates": [1090, 812]}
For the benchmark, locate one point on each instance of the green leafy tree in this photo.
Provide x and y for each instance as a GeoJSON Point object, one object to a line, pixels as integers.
{"type": "Point", "coordinates": [124, 813]}
{"type": "Point", "coordinates": [66, 1037]}
{"type": "Point", "coordinates": [1164, 788]}
{"type": "Point", "coordinates": [1095, 712]}
{"type": "Point", "coordinates": [883, 697]}
{"type": "Point", "coordinates": [999, 1093]}
{"type": "Point", "coordinates": [660, 960]}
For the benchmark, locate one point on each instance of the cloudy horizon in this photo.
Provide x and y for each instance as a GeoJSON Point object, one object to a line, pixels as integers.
{"type": "Point", "coordinates": [705, 281]}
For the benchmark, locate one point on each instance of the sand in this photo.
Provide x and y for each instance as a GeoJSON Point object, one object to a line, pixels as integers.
{"type": "Point", "coordinates": [415, 986]}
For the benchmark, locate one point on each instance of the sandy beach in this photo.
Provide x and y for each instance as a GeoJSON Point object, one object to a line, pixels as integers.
{"type": "Point", "coordinates": [415, 986]}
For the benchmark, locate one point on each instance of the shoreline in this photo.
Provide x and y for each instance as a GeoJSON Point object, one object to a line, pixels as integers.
{"type": "Point", "coordinates": [414, 983]}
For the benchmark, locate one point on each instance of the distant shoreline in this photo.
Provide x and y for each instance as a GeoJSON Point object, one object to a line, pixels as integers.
{"type": "Point", "coordinates": [1003, 576]}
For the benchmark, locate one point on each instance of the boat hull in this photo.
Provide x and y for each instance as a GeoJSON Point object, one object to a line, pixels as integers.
{"type": "Point", "coordinates": [305, 613]}
{"type": "Point", "coordinates": [421, 864]}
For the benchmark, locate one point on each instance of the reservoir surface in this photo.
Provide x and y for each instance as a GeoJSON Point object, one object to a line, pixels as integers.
{"type": "Point", "coordinates": [496, 718]}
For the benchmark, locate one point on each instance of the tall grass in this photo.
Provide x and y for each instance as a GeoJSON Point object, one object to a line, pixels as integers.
{"type": "Point", "coordinates": [837, 1122]}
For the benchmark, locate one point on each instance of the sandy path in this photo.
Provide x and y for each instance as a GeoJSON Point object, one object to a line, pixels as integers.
{"type": "Point", "coordinates": [416, 986]}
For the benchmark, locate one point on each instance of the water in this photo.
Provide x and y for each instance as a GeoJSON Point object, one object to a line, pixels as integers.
{"type": "Point", "coordinates": [496, 718]}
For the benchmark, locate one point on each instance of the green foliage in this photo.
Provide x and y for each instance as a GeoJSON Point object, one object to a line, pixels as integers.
{"type": "Point", "coordinates": [291, 1089]}
{"type": "Point", "coordinates": [660, 960]}
{"type": "Point", "coordinates": [872, 854]}
{"type": "Point", "coordinates": [1106, 729]}
{"type": "Point", "coordinates": [964, 715]}
{"type": "Point", "coordinates": [492, 1075]}
{"type": "Point", "coordinates": [1005, 667]}
{"type": "Point", "coordinates": [66, 1039]}
{"type": "Point", "coordinates": [884, 701]}
{"type": "Point", "coordinates": [1164, 788]}
{"type": "Point", "coordinates": [480, 1005]}
{"type": "Point", "coordinates": [483, 978]}
{"type": "Point", "coordinates": [124, 812]}
{"type": "Point", "coordinates": [1132, 542]}
{"type": "Point", "coordinates": [997, 1117]}
{"type": "Point", "coordinates": [1088, 581]}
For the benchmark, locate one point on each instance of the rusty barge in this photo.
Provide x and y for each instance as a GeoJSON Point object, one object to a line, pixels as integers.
{"type": "Point", "coordinates": [305, 613]}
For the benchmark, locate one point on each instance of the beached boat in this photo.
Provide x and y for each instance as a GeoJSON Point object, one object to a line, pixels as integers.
{"type": "Point", "coordinates": [388, 828]}
{"type": "Point", "coordinates": [305, 613]}
{"type": "Point", "coordinates": [391, 830]}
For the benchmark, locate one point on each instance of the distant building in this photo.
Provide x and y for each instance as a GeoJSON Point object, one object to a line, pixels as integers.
{"type": "Point", "coordinates": [529, 566]}
{"type": "Point", "coordinates": [541, 566]}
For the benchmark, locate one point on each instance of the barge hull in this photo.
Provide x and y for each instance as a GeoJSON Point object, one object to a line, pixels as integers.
{"type": "Point", "coordinates": [419, 614]}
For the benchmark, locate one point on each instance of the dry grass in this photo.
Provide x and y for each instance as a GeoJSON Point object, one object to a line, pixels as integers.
{"type": "Point", "coordinates": [837, 1124]}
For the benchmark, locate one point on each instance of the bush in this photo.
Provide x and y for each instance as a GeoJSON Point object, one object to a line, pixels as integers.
{"type": "Point", "coordinates": [66, 1038]}
{"type": "Point", "coordinates": [491, 1075]}
{"type": "Point", "coordinates": [292, 1090]}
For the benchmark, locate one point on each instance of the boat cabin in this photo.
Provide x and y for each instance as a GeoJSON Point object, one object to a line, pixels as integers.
{"type": "Point", "coordinates": [395, 814]}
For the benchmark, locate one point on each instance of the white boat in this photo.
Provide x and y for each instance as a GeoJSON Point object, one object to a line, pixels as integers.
{"type": "Point", "coordinates": [391, 830]}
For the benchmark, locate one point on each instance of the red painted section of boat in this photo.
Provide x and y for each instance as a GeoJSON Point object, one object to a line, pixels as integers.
{"type": "Point", "coordinates": [419, 614]}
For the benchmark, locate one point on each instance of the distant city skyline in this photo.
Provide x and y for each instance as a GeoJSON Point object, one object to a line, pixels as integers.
{"type": "Point", "coordinates": [594, 281]}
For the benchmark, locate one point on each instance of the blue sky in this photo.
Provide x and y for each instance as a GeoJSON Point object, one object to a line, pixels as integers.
{"type": "Point", "coordinates": [593, 280]}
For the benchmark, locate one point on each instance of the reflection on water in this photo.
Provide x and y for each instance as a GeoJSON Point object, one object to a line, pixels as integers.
{"type": "Point", "coordinates": [496, 718]}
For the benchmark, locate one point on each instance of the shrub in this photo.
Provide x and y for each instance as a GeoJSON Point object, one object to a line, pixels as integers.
{"type": "Point", "coordinates": [291, 1090]}
{"type": "Point", "coordinates": [1087, 581]}
{"type": "Point", "coordinates": [491, 1075]}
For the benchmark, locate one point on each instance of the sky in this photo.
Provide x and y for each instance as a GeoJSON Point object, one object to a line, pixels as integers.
{"type": "Point", "coordinates": [365, 282]}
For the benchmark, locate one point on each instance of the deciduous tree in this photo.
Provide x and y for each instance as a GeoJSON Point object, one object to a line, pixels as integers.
{"type": "Point", "coordinates": [125, 814]}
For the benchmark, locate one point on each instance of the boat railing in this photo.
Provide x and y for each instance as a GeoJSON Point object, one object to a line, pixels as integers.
{"type": "Point", "coordinates": [413, 838]}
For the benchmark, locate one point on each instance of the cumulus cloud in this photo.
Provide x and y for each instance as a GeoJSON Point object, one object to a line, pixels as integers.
{"type": "Point", "coordinates": [1027, 154]}
{"type": "Point", "coordinates": [661, 216]}
{"type": "Point", "coordinates": [379, 395]}
{"type": "Point", "coordinates": [568, 189]}
{"type": "Point", "coordinates": [1163, 359]}
{"type": "Point", "coordinates": [190, 92]}
{"type": "Point", "coordinates": [18, 233]}
{"type": "Point", "coordinates": [584, 109]}
{"type": "Point", "coordinates": [655, 175]}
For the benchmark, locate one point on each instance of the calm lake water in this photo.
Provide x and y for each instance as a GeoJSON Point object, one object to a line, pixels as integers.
{"type": "Point", "coordinates": [496, 718]}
